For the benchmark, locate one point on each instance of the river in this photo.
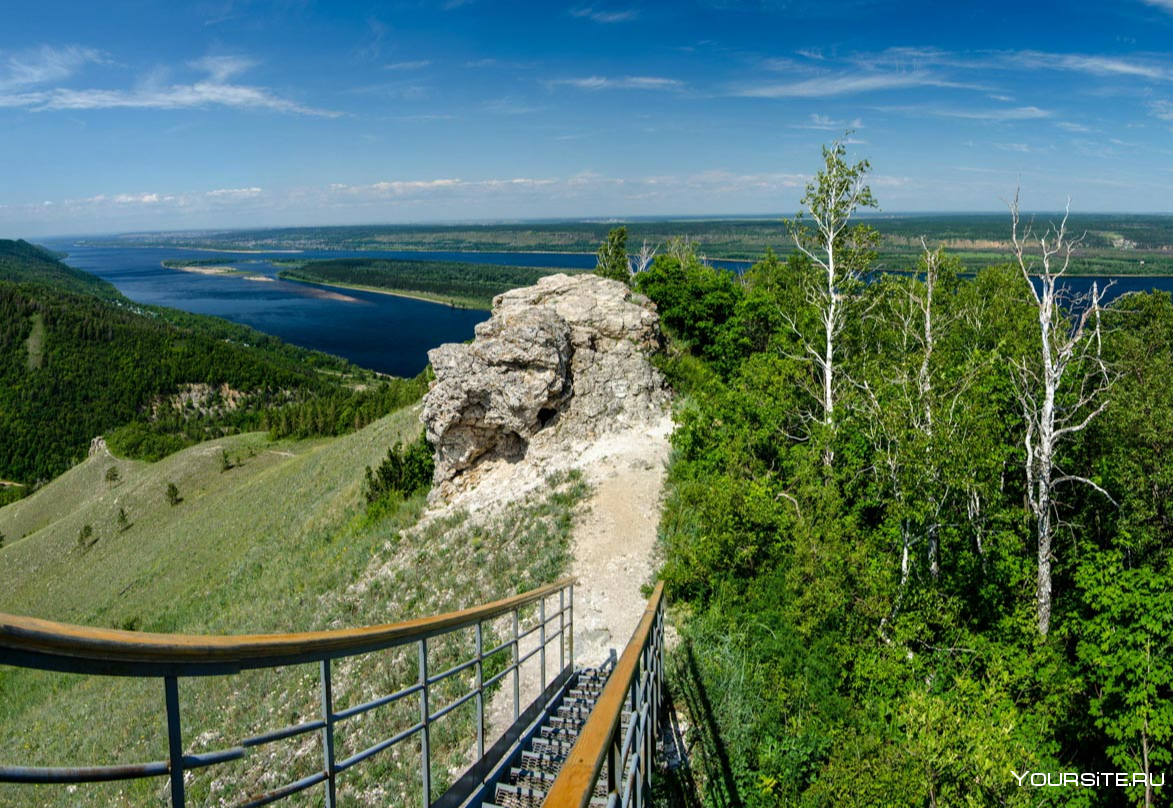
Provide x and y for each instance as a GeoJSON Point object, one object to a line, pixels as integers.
{"type": "Point", "coordinates": [383, 332]}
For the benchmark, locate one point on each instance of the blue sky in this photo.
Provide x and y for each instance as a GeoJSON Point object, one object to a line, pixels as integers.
{"type": "Point", "coordinates": [119, 116]}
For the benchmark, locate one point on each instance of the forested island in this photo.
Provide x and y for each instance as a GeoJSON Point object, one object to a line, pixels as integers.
{"type": "Point", "coordinates": [453, 282]}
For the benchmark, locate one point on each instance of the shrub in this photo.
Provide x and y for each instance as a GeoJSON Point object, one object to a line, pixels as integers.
{"type": "Point", "coordinates": [406, 470]}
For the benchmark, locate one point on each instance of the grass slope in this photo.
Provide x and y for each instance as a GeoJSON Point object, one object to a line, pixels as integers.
{"type": "Point", "coordinates": [277, 543]}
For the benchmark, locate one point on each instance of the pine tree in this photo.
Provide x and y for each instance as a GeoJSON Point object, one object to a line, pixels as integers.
{"type": "Point", "coordinates": [613, 261]}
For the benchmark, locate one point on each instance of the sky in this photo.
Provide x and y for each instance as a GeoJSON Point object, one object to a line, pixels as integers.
{"type": "Point", "coordinates": [130, 115]}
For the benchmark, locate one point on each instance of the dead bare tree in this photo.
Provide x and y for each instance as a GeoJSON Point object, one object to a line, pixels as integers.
{"type": "Point", "coordinates": [1064, 387]}
{"type": "Point", "coordinates": [641, 261]}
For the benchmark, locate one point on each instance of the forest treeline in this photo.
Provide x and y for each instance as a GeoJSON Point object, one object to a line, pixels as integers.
{"type": "Point", "coordinates": [457, 282]}
{"type": "Point", "coordinates": [77, 360]}
{"type": "Point", "coordinates": [918, 529]}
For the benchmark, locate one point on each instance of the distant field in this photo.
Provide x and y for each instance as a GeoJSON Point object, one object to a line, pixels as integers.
{"type": "Point", "coordinates": [1114, 243]}
{"type": "Point", "coordinates": [456, 283]}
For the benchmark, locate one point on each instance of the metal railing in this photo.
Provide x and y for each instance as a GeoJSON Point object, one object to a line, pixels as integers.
{"type": "Point", "coordinates": [32, 643]}
{"type": "Point", "coordinates": [627, 751]}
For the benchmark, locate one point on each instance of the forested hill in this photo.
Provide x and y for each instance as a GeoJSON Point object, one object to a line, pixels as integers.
{"type": "Point", "coordinates": [22, 262]}
{"type": "Point", "coordinates": [78, 359]}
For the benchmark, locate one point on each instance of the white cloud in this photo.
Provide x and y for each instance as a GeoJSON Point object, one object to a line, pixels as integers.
{"type": "Point", "coordinates": [1092, 65]}
{"type": "Point", "coordinates": [234, 193]}
{"type": "Point", "coordinates": [1164, 5]}
{"type": "Point", "coordinates": [222, 68]}
{"type": "Point", "coordinates": [419, 64]}
{"type": "Point", "coordinates": [845, 84]}
{"type": "Point", "coordinates": [603, 16]}
{"type": "Point", "coordinates": [1073, 127]}
{"type": "Point", "coordinates": [511, 105]}
{"type": "Point", "coordinates": [621, 83]}
{"type": "Point", "coordinates": [1162, 110]}
{"type": "Point", "coordinates": [43, 65]}
{"type": "Point", "coordinates": [996, 115]}
{"type": "Point", "coordinates": [23, 76]}
{"type": "Point", "coordinates": [826, 123]}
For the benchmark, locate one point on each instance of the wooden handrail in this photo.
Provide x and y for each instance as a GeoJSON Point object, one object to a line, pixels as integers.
{"type": "Point", "coordinates": [575, 784]}
{"type": "Point", "coordinates": [30, 637]}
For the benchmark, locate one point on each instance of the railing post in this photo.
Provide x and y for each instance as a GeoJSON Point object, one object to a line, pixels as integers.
{"type": "Point", "coordinates": [174, 740]}
{"type": "Point", "coordinates": [516, 669]}
{"type": "Point", "coordinates": [561, 630]}
{"type": "Point", "coordinates": [480, 671]}
{"type": "Point", "coordinates": [328, 735]}
{"type": "Point", "coordinates": [570, 639]}
{"type": "Point", "coordinates": [613, 767]}
{"type": "Point", "coordinates": [542, 640]}
{"type": "Point", "coordinates": [425, 746]}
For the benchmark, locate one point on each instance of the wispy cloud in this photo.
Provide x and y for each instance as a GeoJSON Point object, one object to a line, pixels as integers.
{"type": "Point", "coordinates": [1070, 126]}
{"type": "Point", "coordinates": [43, 65]}
{"type": "Point", "coordinates": [1021, 148]}
{"type": "Point", "coordinates": [1164, 5]}
{"type": "Point", "coordinates": [826, 123]}
{"type": "Point", "coordinates": [511, 105]}
{"type": "Point", "coordinates": [234, 193]}
{"type": "Point", "coordinates": [999, 114]}
{"type": "Point", "coordinates": [846, 84]}
{"type": "Point", "coordinates": [618, 83]}
{"type": "Point", "coordinates": [604, 15]}
{"type": "Point", "coordinates": [214, 90]}
{"type": "Point", "coordinates": [419, 64]}
{"type": "Point", "coordinates": [1106, 66]}
{"type": "Point", "coordinates": [1162, 110]}
{"type": "Point", "coordinates": [222, 68]}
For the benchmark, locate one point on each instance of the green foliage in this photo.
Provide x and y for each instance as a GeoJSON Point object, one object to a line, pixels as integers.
{"type": "Point", "coordinates": [866, 635]}
{"type": "Point", "coordinates": [123, 521]}
{"type": "Point", "coordinates": [112, 476]}
{"type": "Point", "coordinates": [613, 261]}
{"type": "Point", "coordinates": [1125, 645]}
{"type": "Point", "coordinates": [695, 302]}
{"type": "Point", "coordinates": [84, 536]}
{"type": "Point", "coordinates": [405, 471]}
{"type": "Point", "coordinates": [344, 411]}
{"type": "Point", "coordinates": [171, 494]}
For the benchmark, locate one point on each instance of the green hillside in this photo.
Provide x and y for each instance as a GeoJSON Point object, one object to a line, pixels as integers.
{"type": "Point", "coordinates": [77, 359]}
{"type": "Point", "coordinates": [21, 262]}
{"type": "Point", "coordinates": [278, 542]}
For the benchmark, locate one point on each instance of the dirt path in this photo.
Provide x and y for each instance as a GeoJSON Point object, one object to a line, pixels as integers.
{"type": "Point", "coordinates": [614, 541]}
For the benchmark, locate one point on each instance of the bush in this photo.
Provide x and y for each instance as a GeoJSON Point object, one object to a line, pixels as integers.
{"type": "Point", "coordinates": [406, 470]}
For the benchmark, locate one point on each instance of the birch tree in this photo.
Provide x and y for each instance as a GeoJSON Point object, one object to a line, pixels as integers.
{"type": "Point", "coordinates": [840, 253]}
{"type": "Point", "coordinates": [1062, 388]}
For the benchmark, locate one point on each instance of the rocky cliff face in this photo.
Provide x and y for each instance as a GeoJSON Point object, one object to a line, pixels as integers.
{"type": "Point", "coordinates": [557, 365]}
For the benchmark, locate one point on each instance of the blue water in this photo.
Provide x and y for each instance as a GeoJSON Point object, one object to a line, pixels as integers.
{"type": "Point", "coordinates": [382, 332]}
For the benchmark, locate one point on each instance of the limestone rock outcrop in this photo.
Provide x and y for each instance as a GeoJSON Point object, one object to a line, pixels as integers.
{"type": "Point", "coordinates": [556, 365]}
